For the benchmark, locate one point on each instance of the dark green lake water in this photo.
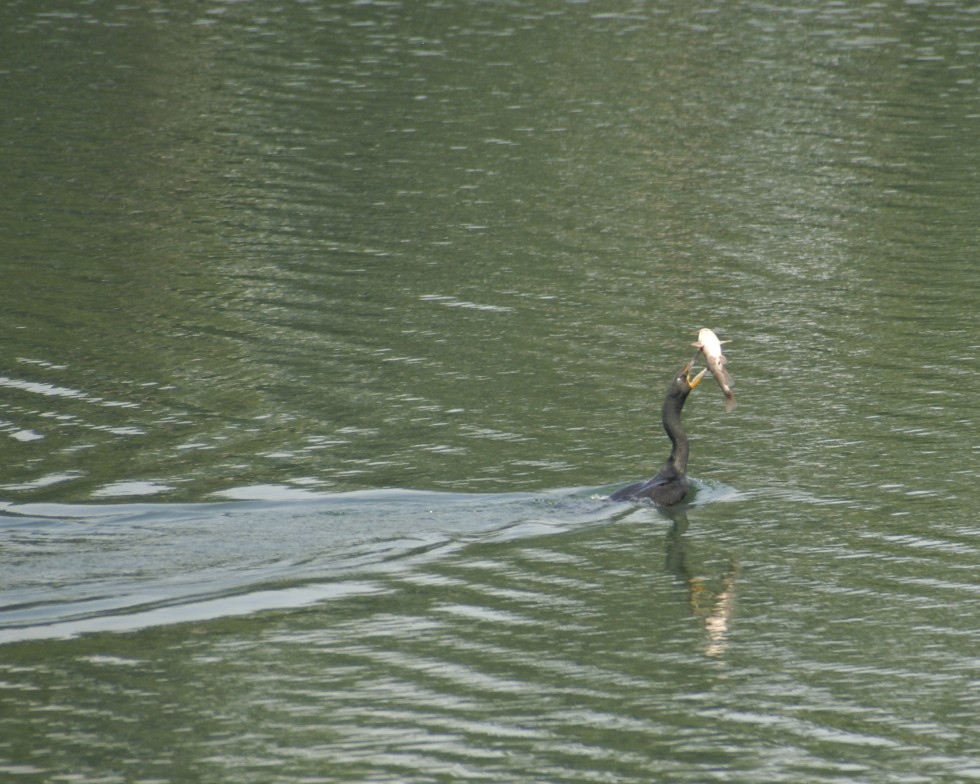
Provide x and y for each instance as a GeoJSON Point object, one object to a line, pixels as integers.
{"type": "Point", "coordinates": [327, 326]}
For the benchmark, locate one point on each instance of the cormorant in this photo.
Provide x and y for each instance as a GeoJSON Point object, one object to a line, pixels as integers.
{"type": "Point", "coordinates": [671, 484]}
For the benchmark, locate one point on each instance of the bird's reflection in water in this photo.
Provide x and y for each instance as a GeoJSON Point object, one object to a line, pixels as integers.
{"type": "Point", "coordinates": [714, 608]}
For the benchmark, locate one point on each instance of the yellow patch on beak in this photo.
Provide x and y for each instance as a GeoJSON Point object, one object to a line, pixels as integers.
{"type": "Point", "coordinates": [693, 382]}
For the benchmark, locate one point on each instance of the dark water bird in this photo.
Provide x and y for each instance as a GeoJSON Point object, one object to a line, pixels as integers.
{"type": "Point", "coordinates": [671, 484]}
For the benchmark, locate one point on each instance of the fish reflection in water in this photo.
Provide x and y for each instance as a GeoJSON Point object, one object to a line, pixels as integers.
{"type": "Point", "coordinates": [715, 609]}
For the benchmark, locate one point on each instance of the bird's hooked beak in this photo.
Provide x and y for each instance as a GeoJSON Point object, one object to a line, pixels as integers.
{"type": "Point", "coordinates": [693, 382]}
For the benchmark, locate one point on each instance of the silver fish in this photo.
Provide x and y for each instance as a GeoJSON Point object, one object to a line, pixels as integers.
{"type": "Point", "coordinates": [709, 345]}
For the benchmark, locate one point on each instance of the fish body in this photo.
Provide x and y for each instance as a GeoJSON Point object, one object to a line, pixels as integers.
{"type": "Point", "coordinates": [709, 345]}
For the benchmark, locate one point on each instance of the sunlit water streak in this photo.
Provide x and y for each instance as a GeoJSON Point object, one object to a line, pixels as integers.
{"type": "Point", "coordinates": [122, 567]}
{"type": "Point", "coordinates": [77, 569]}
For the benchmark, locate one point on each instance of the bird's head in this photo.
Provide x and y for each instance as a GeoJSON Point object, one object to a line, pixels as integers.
{"type": "Point", "coordinates": [683, 383]}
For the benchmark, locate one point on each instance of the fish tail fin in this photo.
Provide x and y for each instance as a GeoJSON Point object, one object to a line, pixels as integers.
{"type": "Point", "coordinates": [730, 402]}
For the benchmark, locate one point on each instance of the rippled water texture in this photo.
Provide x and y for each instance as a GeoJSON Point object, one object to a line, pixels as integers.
{"type": "Point", "coordinates": [326, 328]}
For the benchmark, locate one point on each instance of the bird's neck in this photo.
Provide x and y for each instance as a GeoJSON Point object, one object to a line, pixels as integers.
{"type": "Point", "coordinates": [671, 417]}
{"type": "Point", "coordinates": [678, 454]}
